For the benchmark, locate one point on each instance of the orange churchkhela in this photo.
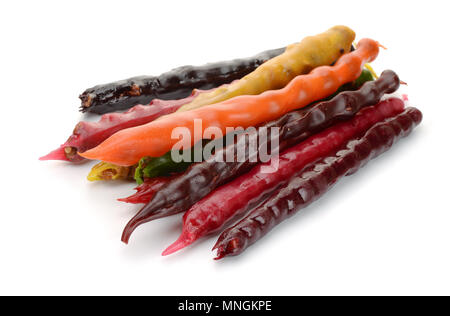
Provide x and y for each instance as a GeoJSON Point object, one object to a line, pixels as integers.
{"type": "Point", "coordinates": [154, 139]}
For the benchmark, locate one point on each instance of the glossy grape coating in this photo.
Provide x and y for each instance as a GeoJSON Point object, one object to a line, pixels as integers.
{"type": "Point", "coordinates": [175, 84]}
{"type": "Point", "coordinates": [387, 83]}
{"type": "Point", "coordinates": [87, 135]}
{"type": "Point", "coordinates": [162, 166]}
{"type": "Point", "coordinates": [200, 179]}
{"type": "Point", "coordinates": [154, 139]}
{"type": "Point", "coordinates": [235, 198]}
{"type": "Point", "coordinates": [314, 181]}
{"type": "Point", "coordinates": [299, 58]}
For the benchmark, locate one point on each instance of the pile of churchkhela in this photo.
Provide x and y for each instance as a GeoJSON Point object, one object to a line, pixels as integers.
{"type": "Point", "coordinates": [241, 145]}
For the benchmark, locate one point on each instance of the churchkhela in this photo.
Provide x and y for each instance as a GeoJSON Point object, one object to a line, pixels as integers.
{"type": "Point", "coordinates": [175, 84]}
{"type": "Point", "coordinates": [274, 133]}
{"type": "Point", "coordinates": [202, 178]}
{"type": "Point", "coordinates": [314, 181]}
{"type": "Point", "coordinates": [230, 200]}
{"type": "Point", "coordinates": [154, 139]}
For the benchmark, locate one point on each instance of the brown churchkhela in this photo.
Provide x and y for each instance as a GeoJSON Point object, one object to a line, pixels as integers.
{"type": "Point", "coordinates": [175, 84]}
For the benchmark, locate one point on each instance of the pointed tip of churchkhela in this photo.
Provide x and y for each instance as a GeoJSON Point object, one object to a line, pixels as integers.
{"type": "Point", "coordinates": [220, 253]}
{"type": "Point", "coordinates": [126, 200]}
{"type": "Point", "coordinates": [145, 191]}
{"type": "Point", "coordinates": [137, 198]}
{"type": "Point", "coordinates": [218, 243]}
{"type": "Point", "coordinates": [226, 247]}
{"type": "Point", "coordinates": [90, 154]}
{"type": "Point", "coordinates": [128, 230]}
{"type": "Point", "coordinates": [57, 154]}
{"type": "Point", "coordinates": [183, 241]}
{"type": "Point", "coordinates": [131, 226]}
{"type": "Point", "coordinates": [65, 152]}
{"type": "Point", "coordinates": [382, 46]}
{"type": "Point", "coordinates": [176, 246]}
{"type": "Point", "coordinates": [140, 218]}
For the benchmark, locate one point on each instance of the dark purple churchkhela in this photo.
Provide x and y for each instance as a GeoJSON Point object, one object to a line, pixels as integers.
{"type": "Point", "coordinates": [175, 84]}
{"type": "Point", "coordinates": [314, 181]}
{"type": "Point", "coordinates": [200, 179]}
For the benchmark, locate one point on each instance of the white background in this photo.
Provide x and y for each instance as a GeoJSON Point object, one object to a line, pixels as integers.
{"type": "Point", "coordinates": [385, 230]}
